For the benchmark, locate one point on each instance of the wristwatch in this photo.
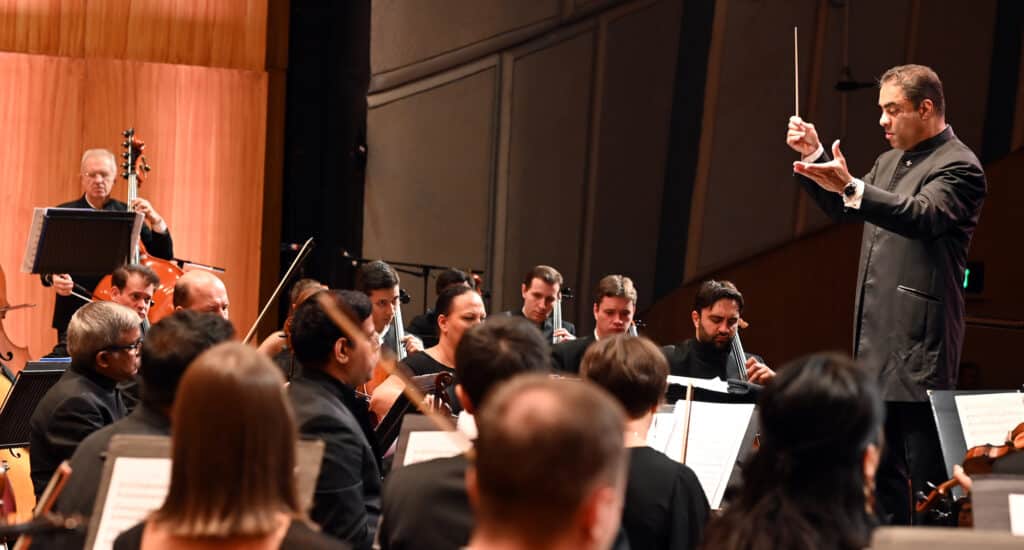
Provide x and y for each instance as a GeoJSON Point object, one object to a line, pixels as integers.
{"type": "Point", "coordinates": [851, 189]}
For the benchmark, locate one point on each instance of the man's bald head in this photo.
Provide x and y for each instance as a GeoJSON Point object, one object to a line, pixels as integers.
{"type": "Point", "coordinates": [201, 291]}
{"type": "Point", "coordinates": [562, 435]}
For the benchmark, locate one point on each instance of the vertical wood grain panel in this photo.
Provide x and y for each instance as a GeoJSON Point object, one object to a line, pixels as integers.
{"type": "Point", "coordinates": [205, 134]}
{"type": "Point", "coordinates": [223, 33]}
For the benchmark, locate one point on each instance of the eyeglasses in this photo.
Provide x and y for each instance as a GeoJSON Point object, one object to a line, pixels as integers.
{"type": "Point", "coordinates": [134, 346]}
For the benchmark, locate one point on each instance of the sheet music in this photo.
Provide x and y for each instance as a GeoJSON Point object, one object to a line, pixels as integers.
{"type": "Point", "coordinates": [137, 487]}
{"type": "Point", "coordinates": [28, 261]}
{"type": "Point", "coordinates": [1017, 514]}
{"type": "Point", "coordinates": [424, 446]}
{"type": "Point", "coordinates": [988, 418]}
{"type": "Point", "coordinates": [716, 433]}
{"type": "Point", "coordinates": [713, 384]}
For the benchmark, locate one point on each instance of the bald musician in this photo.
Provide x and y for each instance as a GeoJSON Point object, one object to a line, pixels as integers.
{"type": "Point", "coordinates": [201, 291]}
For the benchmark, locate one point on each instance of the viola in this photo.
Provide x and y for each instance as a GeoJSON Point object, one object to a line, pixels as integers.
{"type": "Point", "coordinates": [136, 168]}
{"type": "Point", "coordinates": [977, 461]}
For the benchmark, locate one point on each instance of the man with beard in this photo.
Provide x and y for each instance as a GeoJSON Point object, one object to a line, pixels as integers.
{"type": "Point", "coordinates": [716, 313]}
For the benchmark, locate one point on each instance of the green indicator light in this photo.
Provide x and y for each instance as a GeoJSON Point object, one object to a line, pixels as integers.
{"type": "Point", "coordinates": [967, 276]}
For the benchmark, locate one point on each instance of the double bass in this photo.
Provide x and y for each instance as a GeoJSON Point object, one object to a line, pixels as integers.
{"type": "Point", "coordinates": [17, 496]}
{"type": "Point", "coordinates": [135, 170]}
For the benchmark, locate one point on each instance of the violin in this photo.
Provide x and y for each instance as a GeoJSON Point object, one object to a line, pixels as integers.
{"type": "Point", "coordinates": [977, 461]}
{"type": "Point", "coordinates": [135, 170]}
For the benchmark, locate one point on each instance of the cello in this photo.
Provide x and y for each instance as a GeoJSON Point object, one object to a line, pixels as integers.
{"type": "Point", "coordinates": [135, 169]}
{"type": "Point", "coordinates": [17, 496]}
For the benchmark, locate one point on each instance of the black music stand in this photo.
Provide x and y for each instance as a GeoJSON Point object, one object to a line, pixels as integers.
{"type": "Point", "coordinates": [29, 388]}
{"type": "Point", "coordinates": [75, 240]}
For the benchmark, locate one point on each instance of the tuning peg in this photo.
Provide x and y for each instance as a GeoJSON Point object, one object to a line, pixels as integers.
{"type": "Point", "coordinates": [128, 133]}
{"type": "Point", "coordinates": [124, 175]}
{"type": "Point", "coordinates": [145, 167]}
{"type": "Point", "coordinates": [124, 165]}
{"type": "Point", "coordinates": [124, 155]}
{"type": "Point", "coordinates": [125, 144]}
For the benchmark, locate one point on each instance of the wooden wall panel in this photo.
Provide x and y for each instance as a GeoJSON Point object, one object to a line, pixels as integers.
{"type": "Point", "coordinates": [205, 135]}
{"type": "Point", "coordinates": [230, 33]}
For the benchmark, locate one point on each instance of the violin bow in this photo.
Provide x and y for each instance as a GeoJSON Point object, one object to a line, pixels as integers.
{"type": "Point", "coordinates": [299, 258]}
{"type": "Point", "coordinates": [686, 421]}
{"type": "Point", "coordinates": [410, 390]}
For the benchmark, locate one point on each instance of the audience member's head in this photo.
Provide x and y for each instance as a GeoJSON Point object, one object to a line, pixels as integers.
{"type": "Point", "coordinates": [233, 449]}
{"type": "Point", "coordinates": [458, 308]}
{"type": "Point", "coordinates": [550, 465]}
{"type": "Point", "coordinates": [811, 483]}
{"type": "Point", "coordinates": [493, 352]}
{"type": "Point", "coordinates": [105, 337]}
{"type": "Point", "coordinates": [170, 346]}
{"type": "Point", "coordinates": [200, 290]}
{"type": "Point", "coordinates": [633, 370]}
{"type": "Point", "coordinates": [318, 343]}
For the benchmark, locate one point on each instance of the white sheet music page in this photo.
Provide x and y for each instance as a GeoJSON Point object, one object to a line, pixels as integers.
{"type": "Point", "coordinates": [987, 418]}
{"type": "Point", "coordinates": [425, 446]}
{"type": "Point", "coordinates": [28, 260]}
{"type": "Point", "coordinates": [716, 433]}
{"type": "Point", "coordinates": [137, 487]}
{"type": "Point", "coordinates": [1016, 514]}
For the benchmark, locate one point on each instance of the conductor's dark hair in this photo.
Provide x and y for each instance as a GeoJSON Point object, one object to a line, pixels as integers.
{"type": "Point", "coordinates": [497, 350]}
{"type": "Point", "coordinates": [376, 275]}
{"type": "Point", "coordinates": [633, 370]}
{"type": "Point", "coordinates": [544, 445]}
{"type": "Point", "coordinates": [452, 277]}
{"type": "Point", "coordinates": [805, 486]}
{"type": "Point", "coordinates": [169, 347]}
{"type": "Point", "coordinates": [119, 277]}
{"type": "Point", "coordinates": [712, 291]}
{"type": "Point", "coordinates": [918, 83]}
{"type": "Point", "coordinates": [314, 333]}
{"type": "Point", "coordinates": [447, 297]}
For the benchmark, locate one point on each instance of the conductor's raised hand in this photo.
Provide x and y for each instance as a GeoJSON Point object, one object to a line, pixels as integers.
{"type": "Point", "coordinates": [831, 176]}
{"type": "Point", "coordinates": [801, 136]}
{"type": "Point", "coordinates": [63, 284]}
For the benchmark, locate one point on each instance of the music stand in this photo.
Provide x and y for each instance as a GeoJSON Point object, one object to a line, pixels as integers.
{"type": "Point", "coordinates": [29, 388]}
{"type": "Point", "coordinates": [76, 240]}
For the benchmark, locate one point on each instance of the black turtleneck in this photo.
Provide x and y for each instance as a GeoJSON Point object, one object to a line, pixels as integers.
{"type": "Point", "coordinates": [697, 360]}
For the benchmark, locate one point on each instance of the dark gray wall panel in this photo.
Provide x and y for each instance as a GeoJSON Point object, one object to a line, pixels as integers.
{"type": "Point", "coordinates": [430, 170]}
{"type": "Point", "coordinates": [412, 38]}
{"type": "Point", "coordinates": [542, 166]}
{"type": "Point", "coordinates": [628, 167]}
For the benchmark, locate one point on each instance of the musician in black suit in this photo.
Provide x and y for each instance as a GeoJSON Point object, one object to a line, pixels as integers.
{"type": "Point", "coordinates": [541, 288]}
{"type": "Point", "coordinates": [346, 502]}
{"type": "Point", "coordinates": [716, 315]}
{"type": "Point", "coordinates": [104, 339]}
{"type": "Point", "coordinates": [614, 306]}
{"type": "Point", "coordinates": [379, 281]}
{"type": "Point", "coordinates": [920, 204]}
{"type": "Point", "coordinates": [425, 505]}
{"type": "Point", "coordinates": [98, 174]}
{"type": "Point", "coordinates": [169, 348]}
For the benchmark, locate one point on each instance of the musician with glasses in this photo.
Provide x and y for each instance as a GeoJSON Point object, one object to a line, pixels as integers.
{"type": "Point", "coordinates": [98, 175]}
{"type": "Point", "coordinates": [716, 316]}
{"type": "Point", "coordinates": [104, 340]}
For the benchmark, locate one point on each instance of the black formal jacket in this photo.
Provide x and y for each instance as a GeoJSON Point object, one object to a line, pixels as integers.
{"type": "Point", "coordinates": [547, 328]}
{"type": "Point", "coordinates": [81, 402]}
{"type": "Point", "coordinates": [665, 506]}
{"type": "Point", "coordinates": [920, 208]}
{"type": "Point", "coordinates": [346, 502]}
{"type": "Point", "coordinates": [425, 506]}
{"type": "Point", "coordinates": [690, 358]}
{"type": "Point", "coordinates": [424, 327]}
{"type": "Point", "coordinates": [566, 356]}
{"type": "Point", "coordinates": [157, 244]}
{"type": "Point", "coordinates": [79, 495]}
